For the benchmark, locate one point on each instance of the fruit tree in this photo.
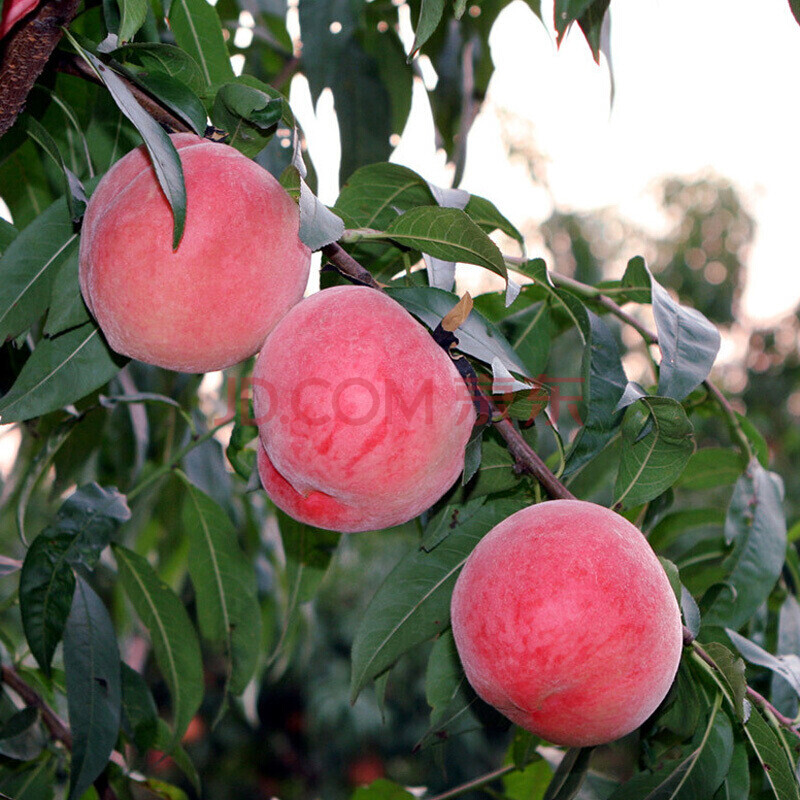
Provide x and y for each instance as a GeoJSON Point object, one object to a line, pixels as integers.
{"type": "Point", "coordinates": [288, 511]}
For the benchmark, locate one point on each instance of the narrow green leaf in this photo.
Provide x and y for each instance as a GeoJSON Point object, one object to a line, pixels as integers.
{"type": "Point", "coordinates": [29, 265]}
{"type": "Point", "coordinates": [449, 234]}
{"type": "Point", "coordinates": [565, 12]}
{"type": "Point", "coordinates": [766, 745]}
{"type": "Point", "coordinates": [174, 94]}
{"type": "Point", "coordinates": [32, 782]}
{"type": "Point", "coordinates": [604, 382]}
{"type": "Point", "coordinates": [657, 443]}
{"type": "Point", "coordinates": [92, 667]}
{"type": "Point", "coordinates": [175, 644]}
{"type": "Point", "coordinates": [163, 155]}
{"type": "Point", "coordinates": [430, 14]}
{"type": "Point", "coordinates": [75, 193]}
{"type": "Point", "coordinates": [139, 714]}
{"type": "Point", "coordinates": [132, 16]}
{"type": "Point", "coordinates": [82, 528]}
{"type": "Point", "coordinates": [197, 30]}
{"type": "Point", "coordinates": [60, 371]}
{"type": "Point", "coordinates": [7, 235]}
{"type": "Point", "coordinates": [224, 583]}
{"type": "Point", "coordinates": [164, 58]}
{"type": "Point", "coordinates": [21, 737]}
{"type": "Point", "coordinates": [250, 115]}
{"type": "Point", "coordinates": [712, 467]}
{"type": "Point", "coordinates": [569, 774]}
{"type": "Point", "coordinates": [788, 666]}
{"type": "Point", "coordinates": [756, 527]}
{"type": "Point", "coordinates": [67, 309]}
{"type": "Point", "coordinates": [413, 603]}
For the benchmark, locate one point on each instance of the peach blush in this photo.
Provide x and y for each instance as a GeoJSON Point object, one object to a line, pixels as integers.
{"type": "Point", "coordinates": [238, 269]}
{"type": "Point", "coordinates": [363, 418]}
{"type": "Point", "coordinates": [565, 621]}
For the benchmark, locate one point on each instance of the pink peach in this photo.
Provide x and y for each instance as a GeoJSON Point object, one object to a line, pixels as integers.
{"type": "Point", "coordinates": [565, 622]}
{"type": "Point", "coordinates": [238, 269]}
{"type": "Point", "coordinates": [363, 418]}
{"type": "Point", "coordinates": [13, 12]}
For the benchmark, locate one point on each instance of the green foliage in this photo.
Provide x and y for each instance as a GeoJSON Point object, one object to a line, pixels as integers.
{"type": "Point", "coordinates": [265, 634]}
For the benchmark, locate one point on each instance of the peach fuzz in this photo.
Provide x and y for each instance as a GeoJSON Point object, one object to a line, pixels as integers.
{"type": "Point", "coordinates": [363, 418]}
{"type": "Point", "coordinates": [238, 269]}
{"type": "Point", "coordinates": [565, 622]}
{"type": "Point", "coordinates": [13, 12]}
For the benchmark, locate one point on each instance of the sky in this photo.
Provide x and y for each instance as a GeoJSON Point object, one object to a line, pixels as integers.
{"type": "Point", "coordinates": [701, 87]}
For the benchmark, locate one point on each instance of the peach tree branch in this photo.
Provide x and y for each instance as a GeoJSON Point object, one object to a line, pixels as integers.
{"type": "Point", "coordinates": [24, 53]}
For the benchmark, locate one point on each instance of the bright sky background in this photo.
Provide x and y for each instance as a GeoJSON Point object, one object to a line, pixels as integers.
{"type": "Point", "coordinates": [701, 86]}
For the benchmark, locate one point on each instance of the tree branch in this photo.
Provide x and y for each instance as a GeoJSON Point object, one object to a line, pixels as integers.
{"type": "Point", "coordinates": [72, 64]}
{"type": "Point", "coordinates": [57, 727]}
{"type": "Point", "coordinates": [525, 458]}
{"type": "Point", "coordinates": [476, 783]}
{"type": "Point", "coordinates": [25, 53]}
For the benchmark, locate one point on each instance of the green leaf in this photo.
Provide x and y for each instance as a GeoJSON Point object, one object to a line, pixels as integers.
{"type": "Point", "coordinates": [756, 527]}
{"type": "Point", "coordinates": [529, 332]}
{"type": "Point", "coordinates": [139, 714]}
{"type": "Point", "coordinates": [165, 741]}
{"type": "Point", "coordinates": [164, 58]}
{"type": "Point", "coordinates": [657, 443]}
{"type": "Point", "coordinates": [569, 774]}
{"type": "Point", "coordinates": [21, 737]}
{"type": "Point", "coordinates": [449, 234]}
{"type": "Point", "coordinates": [430, 14]}
{"type": "Point", "coordinates": [477, 336]}
{"type": "Point", "coordinates": [783, 696]}
{"type": "Point", "coordinates": [175, 644]}
{"type": "Point", "coordinates": [197, 30]}
{"type": "Point", "coordinates": [486, 216]}
{"type": "Point", "coordinates": [163, 155]}
{"type": "Point", "coordinates": [60, 371]}
{"type": "Point", "coordinates": [712, 467]}
{"type": "Point", "coordinates": [788, 666]}
{"type": "Point", "coordinates": [175, 95]}
{"type": "Point", "coordinates": [32, 782]}
{"type": "Point", "coordinates": [381, 789]}
{"type": "Point", "coordinates": [92, 667]}
{"type": "Point", "coordinates": [75, 193]}
{"type": "Point", "coordinates": [82, 528]}
{"type": "Point", "coordinates": [29, 265]}
{"type": "Point", "coordinates": [603, 381]}
{"type": "Point", "coordinates": [225, 585]}
{"type": "Point", "coordinates": [359, 94]}
{"type": "Point", "coordinates": [529, 782]}
{"type": "Point", "coordinates": [767, 747]}
{"type": "Point", "coordinates": [132, 16]}
{"type": "Point", "coordinates": [591, 22]}
{"type": "Point", "coordinates": [496, 472]}
{"type": "Point", "coordinates": [794, 6]}
{"type": "Point", "coordinates": [413, 603]}
{"type": "Point", "coordinates": [373, 195]}
{"type": "Point", "coordinates": [67, 309]}
{"type": "Point", "coordinates": [451, 699]}
{"type": "Point", "coordinates": [565, 12]}
{"type": "Point", "coordinates": [308, 552]}
{"type": "Point", "coordinates": [7, 234]}
{"type": "Point", "coordinates": [671, 526]}
{"type": "Point", "coordinates": [688, 342]}
{"type": "Point", "coordinates": [732, 669]}
{"type": "Point", "coordinates": [250, 114]}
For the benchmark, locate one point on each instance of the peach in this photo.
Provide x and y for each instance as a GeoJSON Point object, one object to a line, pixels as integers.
{"type": "Point", "coordinates": [565, 622]}
{"type": "Point", "coordinates": [363, 418]}
{"type": "Point", "coordinates": [238, 269]}
{"type": "Point", "coordinates": [13, 12]}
